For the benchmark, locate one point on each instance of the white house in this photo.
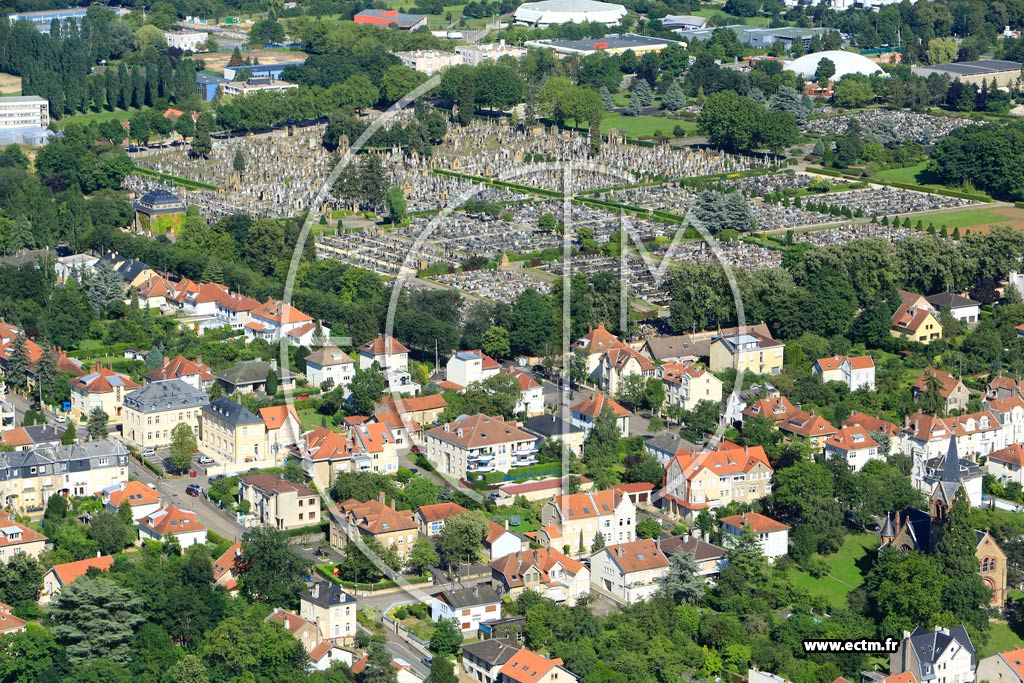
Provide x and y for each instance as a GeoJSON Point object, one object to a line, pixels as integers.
{"type": "Point", "coordinates": [854, 371]}
{"type": "Point", "coordinates": [469, 607]}
{"type": "Point", "coordinates": [466, 367]}
{"type": "Point", "coordinates": [854, 445]}
{"type": "Point", "coordinates": [944, 655]}
{"type": "Point", "coordinates": [773, 536]}
{"type": "Point", "coordinates": [144, 500]}
{"type": "Point", "coordinates": [967, 311]}
{"type": "Point", "coordinates": [531, 393]}
{"type": "Point", "coordinates": [330, 364]}
{"type": "Point", "coordinates": [586, 411]}
{"type": "Point", "coordinates": [545, 571]}
{"type": "Point", "coordinates": [572, 522]}
{"type": "Point", "coordinates": [628, 572]}
{"type": "Point", "coordinates": [393, 359]}
{"type": "Point", "coordinates": [475, 444]}
{"type": "Point", "coordinates": [1007, 464]}
{"type": "Point", "coordinates": [171, 521]}
{"type": "Point", "coordinates": [275, 320]}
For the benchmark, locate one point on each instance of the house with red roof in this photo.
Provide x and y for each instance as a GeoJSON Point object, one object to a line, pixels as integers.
{"type": "Point", "coordinates": [572, 522]}
{"type": "Point", "coordinates": [304, 629]}
{"type": "Point", "coordinates": [194, 373]}
{"type": "Point", "coordinates": [528, 667]}
{"type": "Point", "coordinates": [1005, 667]}
{"type": "Point", "coordinates": [775, 408]}
{"type": "Point", "coordinates": [854, 446]}
{"type": "Point", "coordinates": [323, 656]}
{"type": "Point", "coordinates": [224, 569]}
{"type": "Point", "coordinates": [282, 426]}
{"type": "Point", "coordinates": [466, 367]}
{"type": "Point", "coordinates": [143, 499]}
{"type": "Point", "coordinates": [8, 622]}
{"type": "Point", "coordinates": [618, 363]}
{"type": "Point", "coordinates": [595, 343]}
{"type": "Point", "coordinates": [322, 453]}
{"type": "Point", "coordinates": [687, 384]}
{"type": "Point", "coordinates": [235, 309]}
{"type": "Point", "coordinates": [954, 394]}
{"type": "Point", "coordinates": [375, 448]}
{"type": "Point", "coordinates": [545, 571]}
{"type": "Point", "coordinates": [772, 535]}
{"type": "Point", "coordinates": [476, 444]}
{"type": "Point", "coordinates": [856, 372]}
{"type": "Point", "coordinates": [61, 575]}
{"type": "Point", "coordinates": [171, 521]}
{"type": "Point", "coordinates": [709, 480]}
{"type": "Point", "coordinates": [16, 539]}
{"type": "Point", "coordinates": [586, 411]}
{"type": "Point", "coordinates": [531, 393]}
{"type": "Point", "coordinates": [811, 429]}
{"type": "Point", "coordinates": [274, 320]}
{"type": "Point", "coordinates": [373, 519]}
{"type": "Point", "coordinates": [915, 319]}
{"type": "Point", "coordinates": [100, 388]}
{"type": "Point", "coordinates": [392, 358]}
{"type": "Point", "coordinates": [629, 572]}
{"type": "Point", "coordinates": [1007, 464]}
{"type": "Point", "coordinates": [279, 503]}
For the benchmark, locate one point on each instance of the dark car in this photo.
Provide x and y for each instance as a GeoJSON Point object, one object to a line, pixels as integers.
{"type": "Point", "coordinates": [35, 406]}
{"type": "Point", "coordinates": [193, 490]}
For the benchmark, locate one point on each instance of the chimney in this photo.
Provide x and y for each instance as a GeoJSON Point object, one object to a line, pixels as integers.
{"type": "Point", "coordinates": [199, 360]}
{"type": "Point", "coordinates": [273, 363]}
{"type": "Point", "coordinates": [316, 590]}
{"type": "Point", "coordinates": [392, 503]}
{"type": "Point", "coordinates": [381, 498]}
{"type": "Point", "coordinates": [536, 557]}
{"type": "Point", "coordinates": [506, 524]}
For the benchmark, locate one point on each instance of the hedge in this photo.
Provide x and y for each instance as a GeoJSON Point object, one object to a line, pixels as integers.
{"type": "Point", "coordinates": [944, 191]}
{"type": "Point", "coordinates": [327, 571]}
{"type": "Point", "coordinates": [322, 528]}
{"type": "Point", "coordinates": [177, 180]}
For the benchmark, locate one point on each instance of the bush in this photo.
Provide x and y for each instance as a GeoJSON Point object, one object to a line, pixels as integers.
{"type": "Point", "coordinates": [401, 613]}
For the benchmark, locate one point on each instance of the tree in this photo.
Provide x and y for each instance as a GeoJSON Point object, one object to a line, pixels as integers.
{"type": "Point", "coordinates": [777, 130]}
{"type": "Point", "coordinates": [110, 533]}
{"type": "Point", "coordinates": [94, 618]}
{"type": "Point", "coordinates": [378, 663]}
{"type": "Point", "coordinates": [394, 204]}
{"type": "Point", "coordinates": [941, 50]}
{"type": "Point", "coordinates": [97, 425]}
{"type": "Point", "coordinates": [188, 669]}
{"type": "Point", "coordinates": [606, 99]}
{"type": "Point", "coordinates": [265, 32]}
{"type": "Point", "coordinates": [495, 342]}
{"type": "Point", "coordinates": [441, 670]}
{"type": "Point", "coordinates": [461, 538]}
{"type": "Point", "coordinates": [56, 510]}
{"type": "Point", "coordinates": [420, 491]}
{"type": "Point", "coordinates": [18, 365]}
{"type": "Point", "coordinates": [202, 142]}
{"type": "Point", "coordinates": [641, 90]}
{"type": "Point", "coordinates": [264, 245]}
{"type": "Point", "coordinates": [905, 590]}
{"type": "Point", "coordinates": [826, 69]}
{"type": "Point", "coordinates": [269, 571]}
{"type": "Point", "coordinates": [674, 98]}
{"type": "Point", "coordinates": [271, 386]}
{"type": "Point", "coordinates": [966, 595]}
{"type": "Point", "coordinates": [447, 638]}
{"type": "Point", "coordinates": [600, 450]}
{"type": "Point", "coordinates": [730, 121]}
{"type": "Point", "coordinates": [365, 389]}
{"type": "Point", "coordinates": [183, 446]}
{"type": "Point", "coordinates": [853, 91]}
{"type": "Point", "coordinates": [238, 163]}
{"type": "Point", "coordinates": [247, 648]}
{"type": "Point", "coordinates": [683, 583]}
{"type": "Point", "coordinates": [21, 578]}
{"type": "Point", "coordinates": [746, 570]}
{"type": "Point", "coordinates": [46, 372]}
{"type": "Point", "coordinates": [648, 527]}
{"type": "Point", "coordinates": [236, 58]}
{"type": "Point", "coordinates": [422, 556]}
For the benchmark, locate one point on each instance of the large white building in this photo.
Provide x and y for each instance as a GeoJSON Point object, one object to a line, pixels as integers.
{"type": "Point", "coordinates": [192, 41]}
{"type": "Point", "coordinates": [845, 63]}
{"type": "Point", "coordinates": [429, 62]}
{"type": "Point", "coordinates": [27, 110]}
{"type": "Point", "coordinates": [477, 444]}
{"type": "Point", "coordinates": [475, 54]}
{"type": "Point", "coordinates": [548, 12]}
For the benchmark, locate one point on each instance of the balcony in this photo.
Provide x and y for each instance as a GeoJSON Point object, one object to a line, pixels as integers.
{"type": "Point", "coordinates": [479, 468]}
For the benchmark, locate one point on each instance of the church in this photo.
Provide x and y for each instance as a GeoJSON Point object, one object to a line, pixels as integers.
{"type": "Point", "coordinates": [914, 529]}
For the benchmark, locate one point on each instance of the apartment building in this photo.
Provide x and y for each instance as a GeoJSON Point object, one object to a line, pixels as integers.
{"type": "Point", "coordinates": [152, 412]}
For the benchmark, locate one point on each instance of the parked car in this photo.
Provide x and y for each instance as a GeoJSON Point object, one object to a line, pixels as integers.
{"type": "Point", "coordinates": [193, 490]}
{"type": "Point", "coordinates": [205, 460]}
{"type": "Point", "coordinates": [61, 419]}
{"type": "Point", "coordinates": [149, 452]}
{"type": "Point", "coordinates": [36, 406]}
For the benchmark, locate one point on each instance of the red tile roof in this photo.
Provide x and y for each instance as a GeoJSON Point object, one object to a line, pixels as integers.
{"type": "Point", "coordinates": [178, 367]}
{"type": "Point", "coordinates": [135, 493]}
{"type": "Point", "coordinates": [852, 438]}
{"type": "Point", "coordinates": [598, 340]}
{"type": "Point", "coordinates": [759, 524]}
{"type": "Point", "coordinates": [596, 402]}
{"type": "Point", "coordinates": [527, 666]}
{"type": "Point", "coordinates": [947, 382]}
{"type": "Point", "coordinates": [170, 521]}
{"type": "Point", "coordinates": [381, 345]}
{"type": "Point", "coordinates": [69, 572]}
{"type": "Point", "coordinates": [440, 511]}
{"type": "Point", "coordinates": [514, 566]}
{"type": "Point", "coordinates": [473, 431]}
{"type": "Point", "coordinates": [225, 564]}
{"type": "Point", "coordinates": [872, 424]}
{"type": "Point", "coordinates": [1012, 454]}
{"type": "Point", "coordinates": [373, 517]}
{"type": "Point", "coordinates": [638, 556]}
{"type": "Point", "coordinates": [274, 417]}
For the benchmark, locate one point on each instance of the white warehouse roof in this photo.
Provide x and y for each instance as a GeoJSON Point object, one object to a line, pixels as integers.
{"type": "Point", "coordinates": [548, 12]}
{"type": "Point", "coordinates": [846, 63]}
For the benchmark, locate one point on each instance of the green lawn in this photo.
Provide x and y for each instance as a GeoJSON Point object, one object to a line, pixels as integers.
{"type": "Point", "coordinates": [709, 12]}
{"type": "Point", "coordinates": [907, 174]}
{"type": "Point", "coordinates": [640, 126]}
{"type": "Point", "coordinates": [1000, 639]}
{"type": "Point", "coordinates": [845, 574]}
{"type": "Point", "coordinates": [310, 419]}
{"type": "Point", "coordinates": [98, 117]}
{"type": "Point", "coordinates": [969, 218]}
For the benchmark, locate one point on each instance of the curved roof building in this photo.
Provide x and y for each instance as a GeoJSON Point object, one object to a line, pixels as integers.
{"type": "Point", "coordinates": [548, 12]}
{"type": "Point", "coordinates": [846, 63]}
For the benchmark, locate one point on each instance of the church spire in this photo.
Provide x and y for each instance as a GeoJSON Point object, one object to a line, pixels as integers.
{"type": "Point", "coordinates": [951, 468]}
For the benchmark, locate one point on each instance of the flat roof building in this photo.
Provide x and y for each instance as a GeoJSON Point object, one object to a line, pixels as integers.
{"type": "Point", "coordinates": [428, 62]}
{"type": "Point", "coordinates": [254, 85]}
{"type": "Point", "coordinates": [24, 111]}
{"type": "Point", "coordinates": [761, 38]}
{"type": "Point", "coordinates": [390, 17]}
{"type": "Point", "coordinates": [44, 18]}
{"type": "Point", "coordinates": [999, 71]}
{"type": "Point", "coordinates": [612, 44]}
{"type": "Point", "coordinates": [273, 71]}
{"type": "Point", "coordinates": [474, 54]}
{"type": "Point", "coordinates": [190, 41]}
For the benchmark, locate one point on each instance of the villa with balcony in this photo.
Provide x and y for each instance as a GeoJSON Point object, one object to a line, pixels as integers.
{"type": "Point", "coordinates": [473, 445]}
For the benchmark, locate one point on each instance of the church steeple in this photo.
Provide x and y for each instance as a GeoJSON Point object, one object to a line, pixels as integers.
{"type": "Point", "coordinates": [951, 468]}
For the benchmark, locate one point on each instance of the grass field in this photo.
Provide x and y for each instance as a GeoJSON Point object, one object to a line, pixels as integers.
{"type": "Point", "coordinates": [1000, 639]}
{"type": "Point", "coordinates": [85, 119]}
{"type": "Point", "coordinates": [709, 12]}
{"type": "Point", "coordinates": [978, 220]}
{"type": "Point", "coordinates": [310, 419]}
{"type": "Point", "coordinates": [638, 126]}
{"type": "Point", "coordinates": [846, 570]}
